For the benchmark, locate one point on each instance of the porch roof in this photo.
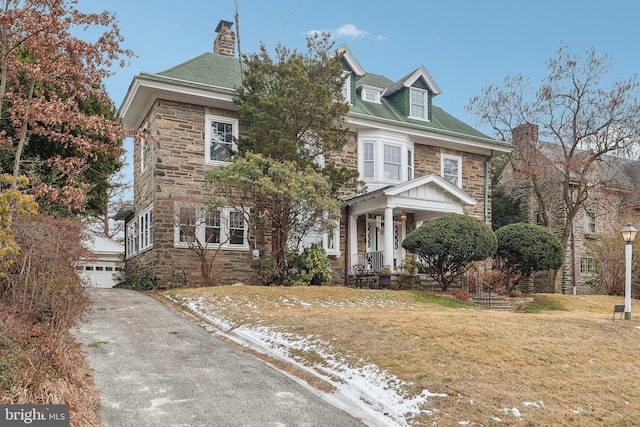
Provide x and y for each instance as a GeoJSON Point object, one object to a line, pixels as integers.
{"type": "Point", "coordinates": [426, 197]}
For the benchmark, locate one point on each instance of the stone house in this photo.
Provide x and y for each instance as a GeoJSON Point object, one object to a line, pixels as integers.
{"type": "Point", "coordinates": [417, 161]}
{"type": "Point", "coordinates": [613, 185]}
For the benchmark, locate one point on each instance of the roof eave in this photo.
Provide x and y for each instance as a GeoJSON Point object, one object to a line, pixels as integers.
{"type": "Point", "coordinates": [147, 88]}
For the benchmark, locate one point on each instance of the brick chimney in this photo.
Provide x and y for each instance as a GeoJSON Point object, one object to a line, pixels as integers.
{"type": "Point", "coordinates": [224, 43]}
{"type": "Point", "coordinates": [524, 133]}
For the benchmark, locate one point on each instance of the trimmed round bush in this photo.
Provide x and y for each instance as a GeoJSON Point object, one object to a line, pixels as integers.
{"type": "Point", "coordinates": [524, 249]}
{"type": "Point", "coordinates": [449, 245]}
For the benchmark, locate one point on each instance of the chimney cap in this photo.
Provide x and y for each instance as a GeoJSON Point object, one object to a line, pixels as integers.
{"type": "Point", "coordinates": [223, 24]}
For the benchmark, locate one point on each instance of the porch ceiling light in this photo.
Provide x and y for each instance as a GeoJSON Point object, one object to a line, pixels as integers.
{"type": "Point", "coordinates": [403, 216]}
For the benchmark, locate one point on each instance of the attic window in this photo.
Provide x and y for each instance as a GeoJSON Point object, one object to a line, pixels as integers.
{"type": "Point", "coordinates": [370, 95]}
{"type": "Point", "coordinates": [418, 104]}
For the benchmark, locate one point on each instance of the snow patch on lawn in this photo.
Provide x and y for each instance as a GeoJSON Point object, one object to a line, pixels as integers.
{"type": "Point", "coordinates": [382, 392]}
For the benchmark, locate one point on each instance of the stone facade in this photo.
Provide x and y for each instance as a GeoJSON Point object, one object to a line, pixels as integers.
{"type": "Point", "coordinates": [171, 163]}
{"type": "Point", "coordinates": [597, 214]}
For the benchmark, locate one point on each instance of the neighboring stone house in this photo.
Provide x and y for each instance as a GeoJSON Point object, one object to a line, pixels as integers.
{"type": "Point", "coordinates": [613, 182]}
{"type": "Point", "coordinates": [417, 161]}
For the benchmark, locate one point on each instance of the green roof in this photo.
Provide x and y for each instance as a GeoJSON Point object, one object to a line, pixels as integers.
{"type": "Point", "coordinates": [209, 69]}
{"type": "Point", "coordinates": [223, 72]}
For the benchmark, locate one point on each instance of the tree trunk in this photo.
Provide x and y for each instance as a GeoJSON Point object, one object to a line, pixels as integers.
{"type": "Point", "coordinates": [23, 139]}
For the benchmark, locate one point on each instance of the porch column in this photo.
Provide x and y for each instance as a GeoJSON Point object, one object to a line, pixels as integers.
{"type": "Point", "coordinates": [388, 237]}
{"type": "Point", "coordinates": [353, 240]}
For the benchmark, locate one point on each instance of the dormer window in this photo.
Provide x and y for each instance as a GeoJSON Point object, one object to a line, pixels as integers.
{"type": "Point", "coordinates": [418, 104]}
{"type": "Point", "coordinates": [346, 87]}
{"type": "Point", "coordinates": [370, 95]}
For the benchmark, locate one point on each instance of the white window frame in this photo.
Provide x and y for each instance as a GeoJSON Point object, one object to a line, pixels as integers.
{"type": "Point", "coordinates": [346, 87]}
{"type": "Point", "coordinates": [589, 223]}
{"type": "Point", "coordinates": [209, 119]}
{"type": "Point", "coordinates": [144, 155]}
{"type": "Point", "coordinates": [396, 164]}
{"type": "Point", "coordinates": [424, 105]}
{"type": "Point", "coordinates": [371, 157]}
{"type": "Point", "coordinates": [369, 148]}
{"type": "Point", "coordinates": [145, 229]}
{"type": "Point", "coordinates": [331, 241]}
{"type": "Point", "coordinates": [131, 242]}
{"type": "Point", "coordinates": [457, 159]}
{"type": "Point", "coordinates": [201, 227]}
{"type": "Point", "coordinates": [368, 94]}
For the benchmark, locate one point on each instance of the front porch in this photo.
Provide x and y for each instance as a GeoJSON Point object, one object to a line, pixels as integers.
{"type": "Point", "coordinates": [400, 208]}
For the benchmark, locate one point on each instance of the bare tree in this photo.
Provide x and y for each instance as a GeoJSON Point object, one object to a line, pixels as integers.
{"type": "Point", "coordinates": [200, 228]}
{"type": "Point", "coordinates": [583, 115]}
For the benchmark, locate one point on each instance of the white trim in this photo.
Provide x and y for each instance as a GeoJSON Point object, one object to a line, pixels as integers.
{"type": "Point", "coordinates": [200, 224]}
{"type": "Point", "coordinates": [458, 160]}
{"type": "Point", "coordinates": [144, 91]}
{"type": "Point", "coordinates": [145, 230]}
{"type": "Point", "coordinates": [346, 88]}
{"type": "Point", "coordinates": [131, 238]}
{"type": "Point", "coordinates": [351, 60]}
{"type": "Point", "coordinates": [331, 241]}
{"type": "Point", "coordinates": [380, 139]}
{"type": "Point", "coordinates": [208, 119]}
{"type": "Point", "coordinates": [144, 155]}
{"type": "Point", "coordinates": [453, 140]}
{"type": "Point", "coordinates": [425, 105]}
{"type": "Point", "coordinates": [370, 90]}
{"type": "Point", "coordinates": [426, 77]}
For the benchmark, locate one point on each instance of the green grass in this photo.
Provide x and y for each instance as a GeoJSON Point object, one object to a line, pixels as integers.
{"type": "Point", "coordinates": [444, 301]}
{"type": "Point", "coordinates": [542, 303]}
{"type": "Point", "coordinates": [96, 344]}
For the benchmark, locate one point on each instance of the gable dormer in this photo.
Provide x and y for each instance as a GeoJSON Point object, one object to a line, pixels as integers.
{"type": "Point", "coordinates": [352, 70]}
{"type": "Point", "coordinates": [412, 95]}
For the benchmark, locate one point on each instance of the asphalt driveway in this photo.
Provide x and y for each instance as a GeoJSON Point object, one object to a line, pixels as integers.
{"type": "Point", "coordinates": [156, 368]}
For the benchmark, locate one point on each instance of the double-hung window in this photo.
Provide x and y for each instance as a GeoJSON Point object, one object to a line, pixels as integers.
{"type": "Point", "coordinates": [368, 160]}
{"type": "Point", "coordinates": [221, 134]}
{"type": "Point", "coordinates": [392, 162]}
{"type": "Point", "coordinates": [451, 169]}
{"type": "Point", "coordinates": [145, 228]}
{"type": "Point", "coordinates": [409, 165]}
{"type": "Point", "coordinates": [237, 228]}
{"type": "Point", "coordinates": [331, 241]}
{"type": "Point", "coordinates": [209, 227]}
{"type": "Point", "coordinates": [212, 226]}
{"type": "Point", "coordinates": [187, 224]}
{"type": "Point", "coordinates": [346, 87]}
{"type": "Point", "coordinates": [131, 238]}
{"type": "Point", "coordinates": [418, 104]}
{"type": "Point", "coordinates": [589, 223]}
{"type": "Point", "coordinates": [144, 155]}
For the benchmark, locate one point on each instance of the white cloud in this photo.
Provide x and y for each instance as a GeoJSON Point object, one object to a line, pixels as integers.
{"type": "Point", "coordinates": [349, 31]}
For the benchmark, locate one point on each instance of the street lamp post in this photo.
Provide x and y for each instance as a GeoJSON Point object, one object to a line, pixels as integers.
{"type": "Point", "coordinates": [628, 235]}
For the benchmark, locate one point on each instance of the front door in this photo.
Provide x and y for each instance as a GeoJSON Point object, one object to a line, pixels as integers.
{"type": "Point", "coordinates": [375, 240]}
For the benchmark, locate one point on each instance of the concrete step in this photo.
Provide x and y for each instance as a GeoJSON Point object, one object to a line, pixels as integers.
{"type": "Point", "coordinates": [501, 303]}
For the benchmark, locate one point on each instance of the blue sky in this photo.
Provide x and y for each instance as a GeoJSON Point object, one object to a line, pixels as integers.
{"type": "Point", "coordinates": [465, 44]}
